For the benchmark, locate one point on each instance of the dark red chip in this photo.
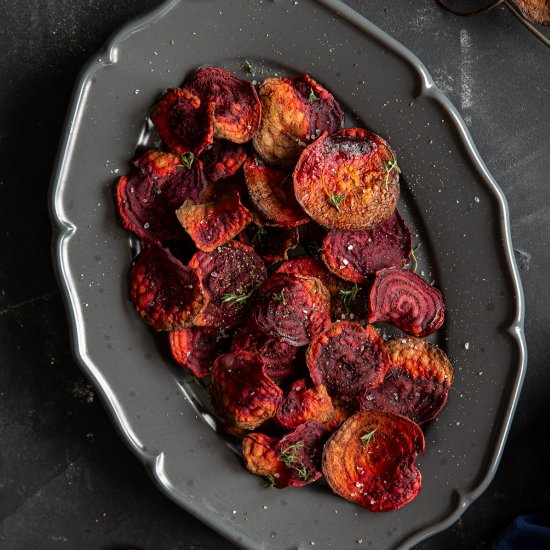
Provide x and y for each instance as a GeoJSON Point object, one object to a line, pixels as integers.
{"type": "Point", "coordinates": [354, 255]}
{"type": "Point", "coordinates": [166, 293]}
{"type": "Point", "coordinates": [212, 224]}
{"type": "Point", "coordinates": [222, 159]}
{"type": "Point", "coordinates": [184, 121]}
{"type": "Point", "coordinates": [149, 195]}
{"type": "Point", "coordinates": [217, 190]}
{"type": "Point", "coordinates": [237, 110]}
{"type": "Point", "coordinates": [417, 382]}
{"type": "Point", "coordinates": [271, 242]}
{"type": "Point", "coordinates": [242, 393]}
{"type": "Point", "coordinates": [295, 111]}
{"type": "Point", "coordinates": [347, 359]}
{"type": "Point", "coordinates": [272, 193]}
{"type": "Point", "coordinates": [293, 309]}
{"type": "Point", "coordinates": [348, 180]}
{"type": "Point", "coordinates": [370, 460]}
{"type": "Point", "coordinates": [229, 275]}
{"type": "Point", "coordinates": [405, 300]}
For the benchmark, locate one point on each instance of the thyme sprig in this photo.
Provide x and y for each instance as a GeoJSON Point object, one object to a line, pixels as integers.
{"type": "Point", "coordinates": [270, 481]}
{"type": "Point", "coordinates": [262, 232]}
{"type": "Point", "coordinates": [312, 96]}
{"type": "Point", "coordinates": [199, 383]}
{"type": "Point", "coordinates": [187, 160]}
{"type": "Point", "coordinates": [236, 298]}
{"type": "Point", "coordinates": [368, 437]}
{"type": "Point", "coordinates": [349, 295]}
{"type": "Point", "coordinates": [289, 457]}
{"type": "Point", "coordinates": [389, 167]}
{"type": "Point", "coordinates": [249, 67]}
{"type": "Point", "coordinates": [280, 297]}
{"type": "Point", "coordinates": [335, 200]}
{"type": "Point", "coordinates": [414, 258]}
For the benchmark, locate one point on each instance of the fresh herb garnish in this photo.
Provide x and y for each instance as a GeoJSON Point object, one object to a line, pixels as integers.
{"type": "Point", "coordinates": [289, 457]}
{"type": "Point", "coordinates": [270, 481]}
{"type": "Point", "coordinates": [368, 437]}
{"type": "Point", "coordinates": [390, 166]}
{"type": "Point", "coordinates": [236, 298]}
{"type": "Point", "coordinates": [414, 259]}
{"type": "Point", "coordinates": [349, 295]}
{"type": "Point", "coordinates": [280, 297]}
{"type": "Point", "coordinates": [335, 200]}
{"type": "Point", "coordinates": [262, 231]}
{"type": "Point", "coordinates": [312, 97]}
{"type": "Point", "coordinates": [250, 69]}
{"type": "Point", "coordinates": [199, 383]}
{"type": "Point", "coordinates": [187, 160]}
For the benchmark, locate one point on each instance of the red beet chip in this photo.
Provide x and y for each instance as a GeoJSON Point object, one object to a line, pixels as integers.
{"type": "Point", "coordinates": [271, 243]}
{"type": "Point", "coordinates": [184, 121]}
{"type": "Point", "coordinates": [354, 255]}
{"type": "Point", "coordinates": [370, 460]}
{"type": "Point", "coordinates": [302, 403]}
{"type": "Point", "coordinates": [218, 190]}
{"type": "Point", "coordinates": [242, 393]}
{"type": "Point", "coordinates": [148, 196]}
{"type": "Point", "coordinates": [229, 275]}
{"type": "Point", "coordinates": [166, 293]}
{"type": "Point", "coordinates": [195, 348]}
{"type": "Point", "coordinates": [237, 108]}
{"type": "Point", "coordinates": [405, 300]}
{"type": "Point", "coordinates": [293, 309]}
{"type": "Point", "coordinates": [417, 382]}
{"type": "Point", "coordinates": [222, 159]}
{"type": "Point", "coordinates": [348, 180]}
{"type": "Point", "coordinates": [295, 111]}
{"type": "Point", "coordinates": [347, 359]}
{"type": "Point", "coordinates": [214, 223]}
{"type": "Point", "coordinates": [272, 193]}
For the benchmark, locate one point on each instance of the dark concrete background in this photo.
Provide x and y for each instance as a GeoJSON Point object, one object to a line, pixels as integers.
{"type": "Point", "coordinates": [66, 480]}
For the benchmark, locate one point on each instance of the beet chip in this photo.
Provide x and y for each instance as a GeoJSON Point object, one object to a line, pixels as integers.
{"type": "Point", "coordinates": [295, 111]}
{"type": "Point", "coordinates": [354, 255]}
{"type": "Point", "coordinates": [148, 196]}
{"type": "Point", "coordinates": [229, 276]}
{"type": "Point", "coordinates": [272, 193]}
{"type": "Point", "coordinates": [222, 159]}
{"type": "Point", "coordinates": [183, 121]}
{"type": "Point", "coordinates": [293, 461]}
{"type": "Point", "coordinates": [195, 348]}
{"type": "Point", "coordinates": [237, 108]}
{"type": "Point", "coordinates": [405, 300]}
{"type": "Point", "coordinates": [347, 359]}
{"type": "Point", "coordinates": [166, 293]}
{"type": "Point", "coordinates": [417, 382]}
{"type": "Point", "coordinates": [242, 393]}
{"type": "Point", "coordinates": [293, 309]}
{"type": "Point", "coordinates": [537, 11]}
{"type": "Point", "coordinates": [348, 180]}
{"type": "Point", "coordinates": [302, 403]}
{"type": "Point", "coordinates": [370, 460]}
{"type": "Point", "coordinates": [214, 223]}
{"type": "Point", "coordinates": [270, 242]}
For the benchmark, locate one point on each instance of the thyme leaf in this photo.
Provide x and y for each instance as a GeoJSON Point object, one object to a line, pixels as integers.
{"type": "Point", "coordinates": [262, 231]}
{"type": "Point", "coordinates": [312, 97]}
{"type": "Point", "coordinates": [335, 200]}
{"type": "Point", "coordinates": [289, 456]}
{"type": "Point", "coordinates": [236, 298]}
{"type": "Point", "coordinates": [349, 295]}
{"type": "Point", "coordinates": [414, 258]}
{"type": "Point", "coordinates": [187, 160]}
{"type": "Point", "coordinates": [269, 481]}
{"type": "Point", "coordinates": [249, 67]}
{"type": "Point", "coordinates": [389, 167]}
{"type": "Point", "coordinates": [280, 297]}
{"type": "Point", "coordinates": [199, 383]}
{"type": "Point", "coordinates": [368, 437]}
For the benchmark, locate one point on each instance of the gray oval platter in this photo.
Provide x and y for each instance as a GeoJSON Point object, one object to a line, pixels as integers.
{"type": "Point", "coordinates": [457, 210]}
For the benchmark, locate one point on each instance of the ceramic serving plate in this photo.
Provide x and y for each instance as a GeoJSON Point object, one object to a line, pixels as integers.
{"type": "Point", "coordinates": [458, 214]}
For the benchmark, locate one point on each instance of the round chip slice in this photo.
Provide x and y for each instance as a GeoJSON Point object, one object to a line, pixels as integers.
{"type": "Point", "coordinates": [166, 293]}
{"type": "Point", "coordinates": [242, 393]}
{"type": "Point", "coordinates": [222, 159]}
{"type": "Point", "coordinates": [348, 180]}
{"type": "Point", "coordinates": [229, 275]}
{"type": "Point", "coordinates": [417, 382]}
{"type": "Point", "coordinates": [537, 11]}
{"type": "Point", "coordinates": [270, 242]}
{"type": "Point", "coordinates": [405, 300]}
{"type": "Point", "coordinates": [370, 460]}
{"type": "Point", "coordinates": [354, 255]}
{"type": "Point", "coordinates": [293, 309]}
{"type": "Point", "coordinates": [347, 359]}
{"type": "Point", "coordinates": [237, 110]}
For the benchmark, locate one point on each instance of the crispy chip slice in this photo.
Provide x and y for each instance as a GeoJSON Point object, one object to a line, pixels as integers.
{"type": "Point", "coordinates": [166, 293]}
{"type": "Point", "coordinates": [242, 393]}
{"type": "Point", "coordinates": [370, 460]}
{"type": "Point", "coordinates": [417, 383]}
{"type": "Point", "coordinates": [272, 243]}
{"type": "Point", "coordinates": [183, 121]}
{"type": "Point", "coordinates": [229, 275]}
{"type": "Point", "coordinates": [348, 180]}
{"type": "Point", "coordinates": [537, 11]}
{"type": "Point", "coordinates": [347, 359]}
{"type": "Point", "coordinates": [237, 110]}
{"type": "Point", "coordinates": [222, 159]}
{"type": "Point", "coordinates": [214, 223]}
{"type": "Point", "coordinates": [405, 300]}
{"type": "Point", "coordinates": [354, 255]}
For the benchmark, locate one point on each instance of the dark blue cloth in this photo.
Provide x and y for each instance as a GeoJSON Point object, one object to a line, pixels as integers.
{"type": "Point", "coordinates": [529, 532]}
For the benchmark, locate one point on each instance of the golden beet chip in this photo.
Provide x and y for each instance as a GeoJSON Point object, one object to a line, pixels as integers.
{"type": "Point", "coordinates": [370, 460]}
{"type": "Point", "coordinates": [229, 276]}
{"type": "Point", "coordinates": [272, 193]}
{"type": "Point", "coordinates": [148, 196]}
{"type": "Point", "coordinates": [242, 393]}
{"type": "Point", "coordinates": [184, 122]}
{"type": "Point", "coordinates": [347, 359]}
{"type": "Point", "coordinates": [417, 382]}
{"type": "Point", "coordinates": [354, 255]}
{"type": "Point", "coordinates": [166, 293]}
{"type": "Point", "coordinates": [295, 112]}
{"type": "Point", "coordinates": [222, 159]}
{"type": "Point", "coordinates": [272, 243]}
{"type": "Point", "coordinates": [214, 223]}
{"type": "Point", "coordinates": [237, 109]}
{"type": "Point", "coordinates": [405, 300]}
{"type": "Point", "coordinates": [537, 11]}
{"type": "Point", "coordinates": [348, 180]}
{"type": "Point", "coordinates": [293, 309]}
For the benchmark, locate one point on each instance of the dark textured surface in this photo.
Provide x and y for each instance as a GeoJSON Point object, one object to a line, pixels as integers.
{"type": "Point", "coordinates": [66, 479]}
